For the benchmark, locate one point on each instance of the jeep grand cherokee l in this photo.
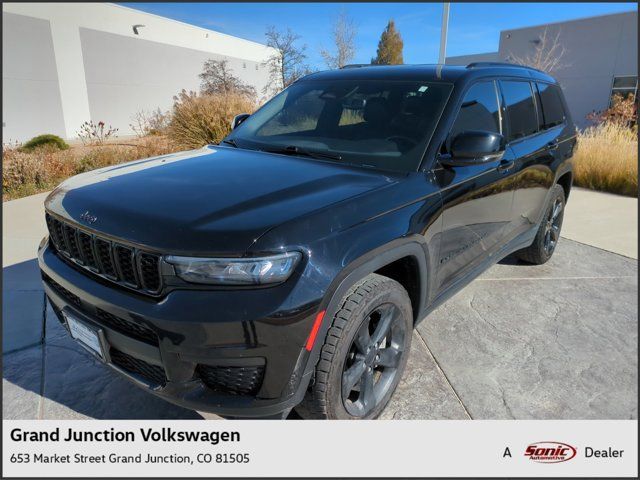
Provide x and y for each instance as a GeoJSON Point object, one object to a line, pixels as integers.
{"type": "Point", "coordinates": [287, 266]}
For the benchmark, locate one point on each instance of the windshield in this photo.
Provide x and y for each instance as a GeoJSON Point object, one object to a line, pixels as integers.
{"type": "Point", "coordinates": [379, 124]}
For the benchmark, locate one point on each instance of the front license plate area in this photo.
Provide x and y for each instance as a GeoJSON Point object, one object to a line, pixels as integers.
{"type": "Point", "coordinates": [86, 335]}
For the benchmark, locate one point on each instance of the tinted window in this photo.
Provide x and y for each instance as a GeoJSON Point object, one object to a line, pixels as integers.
{"type": "Point", "coordinates": [552, 110]}
{"type": "Point", "coordinates": [521, 110]}
{"type": "Point", "coordinates": [479, 110]}
{"type": "Point", "coordinates": [380, 124]}
{"type": "Point", "coordinates": [301, 115]}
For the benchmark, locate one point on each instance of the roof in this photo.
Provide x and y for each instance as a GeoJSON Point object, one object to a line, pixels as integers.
{"type": "Point", "coordinates": [436, 73]}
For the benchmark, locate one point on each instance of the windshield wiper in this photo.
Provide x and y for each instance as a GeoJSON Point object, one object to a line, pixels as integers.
{"type": "Point", "coordinates": [231, 142]}
{"type": "Point", "coordinates": [294, 150]}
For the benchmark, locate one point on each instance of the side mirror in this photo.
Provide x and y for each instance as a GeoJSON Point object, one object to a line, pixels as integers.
{"type": "Point", "coordinates": [473, 147]}
{"type": "Point", "coordinates": [238, 119]}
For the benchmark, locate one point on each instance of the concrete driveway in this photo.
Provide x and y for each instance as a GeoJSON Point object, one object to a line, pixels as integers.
{"type": "Point", "coordinates": [558, 341]}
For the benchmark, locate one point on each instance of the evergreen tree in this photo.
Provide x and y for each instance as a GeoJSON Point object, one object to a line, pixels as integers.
{"type": "Point", "coordinates": [389, 47]}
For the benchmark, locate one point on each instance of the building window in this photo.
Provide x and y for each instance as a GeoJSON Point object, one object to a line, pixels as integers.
{"type": "Point", "coordinates": [624, 85]}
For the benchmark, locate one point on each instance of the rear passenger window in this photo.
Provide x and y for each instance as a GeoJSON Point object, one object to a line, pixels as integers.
{"type": "Point", "coordinates": [479, 110]}
{"type": "Point", "coordinates": [552, 109]}
{"type": "Point", "coordinates": [521, 110]}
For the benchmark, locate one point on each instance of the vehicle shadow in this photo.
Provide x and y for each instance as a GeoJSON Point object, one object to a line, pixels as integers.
{"type": "Point", "coordinates": [73, 384]}
{"type": "Point", "coordinates": [512, 260]}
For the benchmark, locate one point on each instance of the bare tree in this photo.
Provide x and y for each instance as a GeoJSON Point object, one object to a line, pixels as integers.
{"type": "Point", "coordinates": [344, 36]}
{"type": "Point", "coordinates": [288, 63]}
{"type": "Point", "coordinates": [547, 55]}
{"type": "Point", "coordinates": [217, 77]}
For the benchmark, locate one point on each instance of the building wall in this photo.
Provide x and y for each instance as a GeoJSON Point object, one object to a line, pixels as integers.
{"type": "Point", "coordinates": [66, 63]}
{"type": "Point", "coordinates": [596, 50]}
{"type": "Point", "coordinates": [30, 88]}
{"type": "Point", "coordinates": [475, 57]}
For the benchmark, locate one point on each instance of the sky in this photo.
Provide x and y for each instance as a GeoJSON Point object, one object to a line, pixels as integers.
{"type": "Point", "coordinates": [473, 27]}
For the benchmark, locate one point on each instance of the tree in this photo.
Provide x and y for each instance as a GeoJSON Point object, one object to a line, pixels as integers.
{"type": "Point", "coordinates": [389, 47]}
{"type": "Point", "coordinates": [344, 36]}
{"type": "Point", "coordinates": [217, 77]}
{"type": "Point", "coordinates": [547, 54]}
{"type": "Point", "coordinates": [287, 64]}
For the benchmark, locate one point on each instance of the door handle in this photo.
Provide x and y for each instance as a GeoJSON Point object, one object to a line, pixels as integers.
{"type": "Point", "coordinates": [552, 145]}
{"type": "Point", "coordinates": [505, 165]}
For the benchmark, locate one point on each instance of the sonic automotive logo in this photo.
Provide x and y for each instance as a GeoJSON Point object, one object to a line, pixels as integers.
{"type": "Point", "coordinates": [550, 452]}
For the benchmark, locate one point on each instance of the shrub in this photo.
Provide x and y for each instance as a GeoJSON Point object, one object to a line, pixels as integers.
{"type": "Point", "coordinates": [46, 139]}
{"type": "Point", "coordinates": [198, 120]}
{"type": "Point", "coordinates": [95, 133]}
{"type": "Point", "coordinates": [150, 123]}
{"type": "Point", "coordinates": [623, 112]}
{"type": "Point", "coordinates": [607, 159]}
{"type": "Point", "coordinates": [27, 173]}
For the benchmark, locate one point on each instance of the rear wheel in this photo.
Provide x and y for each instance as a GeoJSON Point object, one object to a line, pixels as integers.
{"type": "Point", "coordinates": [364, 354]}
{"type": "Point", "coordinates": [548, 233]}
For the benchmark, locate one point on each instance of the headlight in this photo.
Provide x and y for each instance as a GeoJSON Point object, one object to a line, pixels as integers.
{"type": "Point", "coordinates": [236, 271]}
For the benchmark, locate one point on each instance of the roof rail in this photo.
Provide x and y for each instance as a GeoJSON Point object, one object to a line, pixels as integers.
{"type": "Point", "coordinates": [358, 65]}
{"type": "Point", "coordinates": [501, 64]}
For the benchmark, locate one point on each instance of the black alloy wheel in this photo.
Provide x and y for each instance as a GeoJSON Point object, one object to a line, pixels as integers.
{"type": "Point", "coordinates": [552, 228]}
{"type": "Point", "coordinates": [373, 359]}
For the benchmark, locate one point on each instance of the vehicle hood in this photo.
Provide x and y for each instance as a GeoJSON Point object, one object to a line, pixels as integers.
{"type": "Point", "coordinates": [216, 200]}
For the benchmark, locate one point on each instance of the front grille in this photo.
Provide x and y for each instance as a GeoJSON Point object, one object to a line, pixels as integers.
{"type": "Point", "coordinates": [151, 373]}
{"type": "Point", "coordinates": [103, 253]}
{"type": "Point", "coordinates": [72, 297]}
{"type": "Point", "coordinates": [85, 242]}
{"type": "Point", "coordinates": [125, 259]}
{"type": "Point", "coordinates": [232, 380]}
{"type": "Point", "coordinates": [149, 273]}
{"type": "Point", "coordinates": [127, 266]}
{"type": "Point", "coordinates": [134, 330]}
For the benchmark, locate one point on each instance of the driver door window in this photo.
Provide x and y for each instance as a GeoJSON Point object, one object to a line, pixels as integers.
{"type": "Point", "coordinates": [479, 110]}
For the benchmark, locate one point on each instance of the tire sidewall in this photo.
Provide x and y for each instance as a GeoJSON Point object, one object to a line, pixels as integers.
{"type": "Point", "coordinates": [558, 193]}
{"type": "Point", "coordinates": [396, 296]}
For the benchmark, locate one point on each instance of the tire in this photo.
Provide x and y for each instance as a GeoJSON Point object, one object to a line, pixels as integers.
{"type": "Point", "coordinates": [546, 240]}
{"type": "Point", "coordinates": [356, 344]}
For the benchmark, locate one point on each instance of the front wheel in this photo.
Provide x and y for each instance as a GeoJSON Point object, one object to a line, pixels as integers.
{"type": "Point", "coordinates": [548, 233]}
{"type": "Point", "coordinates": [364, 354]}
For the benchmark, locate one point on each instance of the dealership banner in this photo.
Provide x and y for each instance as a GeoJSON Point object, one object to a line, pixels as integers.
{"type": "Point", "coordinates": [159, 448]}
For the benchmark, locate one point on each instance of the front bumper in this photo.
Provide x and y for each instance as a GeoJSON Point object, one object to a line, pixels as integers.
{"type": "Point", "coordinates": [232, 352]}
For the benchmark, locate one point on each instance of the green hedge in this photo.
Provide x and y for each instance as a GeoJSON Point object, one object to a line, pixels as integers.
{"type": "Point", "coordinates": [46, 139]}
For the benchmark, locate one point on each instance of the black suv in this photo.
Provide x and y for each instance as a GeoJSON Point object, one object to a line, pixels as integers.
{"type": "Point", "coordinates": [287, 266]}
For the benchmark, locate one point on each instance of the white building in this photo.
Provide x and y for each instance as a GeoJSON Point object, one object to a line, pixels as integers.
{"type": "Point", "coordinates": [66, 63]}
{"type": "Point", "coordinates": [600, 58]}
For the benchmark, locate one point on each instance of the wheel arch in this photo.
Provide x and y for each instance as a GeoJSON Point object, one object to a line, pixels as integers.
{"type": "Point", "coordinates": [387, 260]}
{"type": "Point", "coordinates": [566, 181]}
{"type": "Point", "coordinates": [413, 247]}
